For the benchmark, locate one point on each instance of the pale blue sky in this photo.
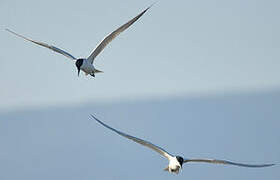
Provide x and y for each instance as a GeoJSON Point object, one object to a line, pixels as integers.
{"type": "Point", "coordinates": [199, 78]}
{"type": "Point", "coordinates": [63, 143]}
{"type": "Point", "coordinates": [183, 48]}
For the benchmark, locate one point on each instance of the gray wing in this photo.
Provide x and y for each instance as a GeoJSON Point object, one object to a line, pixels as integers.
{"type": "Point", "coordinates": [60, 51]}
{"type": "Point", "coordinates": [112, 36]}
{"type": "Point", "coordinates": [138, 140]}
{"type": "Point", "coordinates": [216, 161]}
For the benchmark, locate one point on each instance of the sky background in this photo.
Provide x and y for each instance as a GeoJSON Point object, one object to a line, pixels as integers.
{"type": "Point", "coordinates": [209, 68]}
{"type": "Point", "coordinates": [64, 143]}
{"type": "Point", "coordinates": [184, 48]}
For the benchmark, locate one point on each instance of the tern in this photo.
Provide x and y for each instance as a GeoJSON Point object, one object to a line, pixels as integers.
{"type": "Point", "coordinates": [86, 64]}
{"type": "Point", "coordinates": [176, 162]}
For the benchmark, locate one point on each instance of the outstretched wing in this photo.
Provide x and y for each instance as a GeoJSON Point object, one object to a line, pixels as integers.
{"type": "Point", "coordinates": [216, 161]}
{"type": "Point", "coordinates": [138, 140]}
{"type": "Point", "coordinates": [112, 36]}
{"type": "Point", "coordinates": [60, 51]}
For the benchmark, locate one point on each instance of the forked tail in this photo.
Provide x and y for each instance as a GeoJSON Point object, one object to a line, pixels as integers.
{"type": "Point", "coordinates": [166, 169]}
{"type": "Point", "coordinates": [97, 71]}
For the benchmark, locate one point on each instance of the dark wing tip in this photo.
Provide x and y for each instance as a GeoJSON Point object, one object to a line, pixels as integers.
{"type": "Point", "coordinates": [152, 4]}
{"type": "Point", "coordinates": [7, 29]}
{"type": "Point", "coordinates": [149, 7]}
{"type": "Point", "coordinates": [267, 165]}
{"type": "Point", "coordinates": [260, 166]}
{"type": "Point", "coordinates": [94, 117]}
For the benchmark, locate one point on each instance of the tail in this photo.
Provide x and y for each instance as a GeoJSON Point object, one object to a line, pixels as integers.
{"type": "Point", "coordinates": [97, 71]}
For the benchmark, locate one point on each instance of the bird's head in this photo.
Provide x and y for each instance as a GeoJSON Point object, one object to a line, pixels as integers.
{"type": "Point", "coordinates": [180, 160]}
{"type": "Point", "coordinates": [79, 63]}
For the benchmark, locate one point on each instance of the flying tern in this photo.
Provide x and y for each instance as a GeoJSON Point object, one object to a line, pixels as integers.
{"type": "Point", "coordinates": [86, 64]}
{"type": "Point", "coordinates": [176, 162]}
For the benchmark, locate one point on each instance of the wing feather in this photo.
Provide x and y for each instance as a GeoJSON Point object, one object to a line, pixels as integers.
{"type": "Point", "coordinates": [216, 161]}
{"type": "Point", "coordinates": [60, 51]}
{"type": "Point", "coordinates": [112, 36]}
{"type": "Point", "coordinates": [138, 140]}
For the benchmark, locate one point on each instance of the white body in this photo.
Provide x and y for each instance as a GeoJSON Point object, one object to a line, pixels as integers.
{"type": "Point", "coordinates": [87, 67]}
{"type": "Point", "coordinates": [173, 166]}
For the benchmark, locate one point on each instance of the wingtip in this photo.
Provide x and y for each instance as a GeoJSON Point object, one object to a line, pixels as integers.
{"type": "Point", "coordinates": [7, 29]}
{"type": "Point", "coordinates": [153, 4]}
{"type": "Point", "coordinates": [271, 164]}
{"type": "Point", "coordinates": [268, 165]}
{"type": "Point", "coordinates": [93, 116]}
{"type": "Point", "coordinates": [150, 6]}
{"type": "Point", "coordinates": [10, 31]}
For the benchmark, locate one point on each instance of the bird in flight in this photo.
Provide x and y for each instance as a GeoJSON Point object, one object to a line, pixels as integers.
{"type": "Point", "coordinates": [176, 162]}
{"type": "Point", "coordinates": [86, 64]}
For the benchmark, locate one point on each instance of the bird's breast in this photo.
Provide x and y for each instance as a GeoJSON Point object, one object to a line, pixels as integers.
{"type": "Point", "coordinates": [87, 67]}
{"type": "Point", "coordinates": [174, 164]}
